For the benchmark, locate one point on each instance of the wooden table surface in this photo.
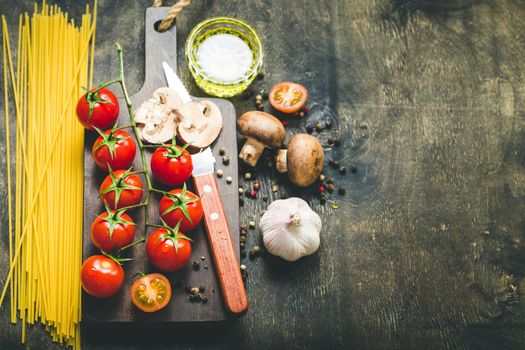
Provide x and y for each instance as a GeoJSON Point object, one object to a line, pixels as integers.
{"type": "Point", "coordinates": [427, 248]}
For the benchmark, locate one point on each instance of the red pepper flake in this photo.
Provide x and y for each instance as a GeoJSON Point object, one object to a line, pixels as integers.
{"type": "Point", "coordinates": [284, 122]}
{"type": "Point", "coordinates": [253, 194]}
{"type": "Point", "coordinates": [321, 188]}
{"type": "Point", "coordinates": [256, 185]}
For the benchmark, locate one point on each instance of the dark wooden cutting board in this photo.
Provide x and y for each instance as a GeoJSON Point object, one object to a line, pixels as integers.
{"type": "Point", "coordinates": [161, 47]}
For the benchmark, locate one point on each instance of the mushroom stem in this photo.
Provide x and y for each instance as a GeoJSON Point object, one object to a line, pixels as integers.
{"type": "Point", "coordinates": [251, 151]}
{"type": "Point", "coordinates": [281, 161]}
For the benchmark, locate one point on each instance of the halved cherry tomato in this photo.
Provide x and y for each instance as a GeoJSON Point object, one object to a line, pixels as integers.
{"type": "Point", "coordinates": [181, 205]}
{"type": "Point", "coordinates": [288, 97]}
{"type": "Point", "coordinates": [112, 230]}
{"type": "Point", "coordinates": [101, 276]}
{"type": "Point", "coordinates": [98, 108]}
{"type": "Point", "coordinates": [115, 148]}
{"type": "Point", "coordinates": [171, 165]}
{"type": "Point", "coordinates": [151, 292]}
{"type": "Point", "coordinates": [121, 189]}
{"type": "Point", "coordinates": [168, 249]}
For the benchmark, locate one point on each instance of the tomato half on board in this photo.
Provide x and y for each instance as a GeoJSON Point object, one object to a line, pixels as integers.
{"type": "Point", "coordinates": [171, 165]}
{"type": "Point", "coordinates": [181, 205]}
{"type": "Point", "coordinates": [112, 230]}
{"type": "Point", "coordinates": [98, 108]}
{"type": "Point", "coordinates": [168, 249]}
{"type": "Point", "coordinates": [121, 189]}
{"type": "Point", "coordinates": [151, 292]}
{"type": "Point", "coordinates": [101, 276]}
{"type": "Point", "coordinates": [114, 148]}
{"type": "Point", "coordinates": [288, 97]}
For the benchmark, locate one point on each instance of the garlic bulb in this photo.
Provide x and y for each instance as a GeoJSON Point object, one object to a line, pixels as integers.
{"type": "Point", "coordinates": [290, 229]}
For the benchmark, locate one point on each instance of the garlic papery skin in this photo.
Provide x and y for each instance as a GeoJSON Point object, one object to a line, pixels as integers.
{"type": "Point", "coordinates": [290, 229]}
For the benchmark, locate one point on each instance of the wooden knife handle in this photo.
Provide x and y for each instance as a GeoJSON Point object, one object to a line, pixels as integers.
{"type": "Point", "coordinates": [221, 245]}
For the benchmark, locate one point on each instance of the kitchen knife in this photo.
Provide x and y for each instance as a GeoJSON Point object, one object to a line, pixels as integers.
{"type": "Point", "coordinates": [219, 236]}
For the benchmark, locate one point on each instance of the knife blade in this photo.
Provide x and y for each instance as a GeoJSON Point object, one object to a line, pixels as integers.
{"type": "Point", "coordinates": [175, 83]}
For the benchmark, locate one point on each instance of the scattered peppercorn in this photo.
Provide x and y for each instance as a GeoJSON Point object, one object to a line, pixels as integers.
{"type": "Point", "coordinates": [342, 170]}
{"type": "Point", "coordinates": [258, 97]}
{"type": "Point", "coordinates": [241, 190]}
{"type": "Point", "coordinates": [275, 187]}
{"type": "Point", "coordinates": [328, 124]}
{"type": "Point", "coordinates": [219, 173]}
{"type": "Point", "coordinates": [301, 114]}
{"type": "Point", "coordinates": [256, 249]}
{"type": "Point", "coordinates": [265, 95]}
{"type": "Point", "coordinates": [243, 267]}
{"type": "Point", "coordinates": [322, 177]}
{"type": "Point", "coordinates": [342, 191]}
{"type": "Point", "coordinates": [363, 126]}
{"type": "Point", "coordinates": [333, 163]}
{"type": "Point", "coordinates": [203, 258]}
{"type": "Point", "coordinates": [252, 225]}
{"type": "Point", "coordinates": [309, 129]}
{"type": "Point", "coordinates": [282, 195]}
{"type": "Point", "coordinates": [260, 107]}
{"type": "Point", "coordinates": [229, 180]}
{"type": "Point", "coordinates": [330, 188]}
{"type": "Point", "coordinates": [222, 151]}
{"type": "Point", "coordinates": [265, 198]}
{"type": "Point", "coordinates": [256, 185]}
{"type": "Point", "coordinates": [244, 230]}
{"type": "Point", "coordinates": [242, 239]}
{"type": "Point", "coordinates": [205, 266]}
{"type": "Point", "coordinates": [194, 290]}
{"type": "Point", "coordinates": [319, 126]}
{"type": "Point", "coordinates": [226, 160]}
{"type": "Point", "coordinates": [248, 176]}
{"type": "Point", "coordinates": [260, 76]}
{"type": "Point", "coordinates": [353, 169]}
{"type": "Point", "coordinates": [196, 265]}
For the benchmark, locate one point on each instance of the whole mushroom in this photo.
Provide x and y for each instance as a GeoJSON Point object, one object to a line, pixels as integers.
{"type": "Point", "coordinates": [303, 160]}
{"type": "Point", "coordinates": [156, 118]}
{"type": "Point", "coordinates": [260, 130]}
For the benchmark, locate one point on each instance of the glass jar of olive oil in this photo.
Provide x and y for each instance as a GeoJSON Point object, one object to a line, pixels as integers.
{"type": "Point", "coordinates": [224, 55]}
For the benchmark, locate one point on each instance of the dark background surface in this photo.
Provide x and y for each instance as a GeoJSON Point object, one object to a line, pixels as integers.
{"type": "Point", "coordinates": [426, 250]}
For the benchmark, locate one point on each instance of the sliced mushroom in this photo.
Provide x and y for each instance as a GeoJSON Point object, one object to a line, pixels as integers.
{"type": "Point", "coordinates": [199, 123]}
{"type": "Point", "coordinates": [156, 118]}
{"type": "Point", "coordinates": [260, 130]}
{"type": "Point", "coordinates": [303, 160]}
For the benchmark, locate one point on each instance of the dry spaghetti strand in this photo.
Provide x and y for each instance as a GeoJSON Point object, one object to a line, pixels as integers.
{"type": "Point", "coordinates": [54, 61]}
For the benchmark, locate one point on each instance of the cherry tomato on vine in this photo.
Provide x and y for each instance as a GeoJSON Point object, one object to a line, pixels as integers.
{"type": "Point", "coordinates": [168, 249]}
{"type": "Point", "coordinates": [98, 108]}
{"type": "Point", "coordinates": [171, 165]}
{"type": "Point", "coordinates": [288, 97]}
{"type": "Point", "coordinates": [112, 230]}
{"type": "Point", "coordinates": [114, 148]}
{"type": "Point", "coordinates": [151, 292]}
{"type": "Point", "coordinates": [121, 189]}
{"type": "Point", "coordinates": [181, 205]}
{"type": "Point", "coordinates": [101, 276]}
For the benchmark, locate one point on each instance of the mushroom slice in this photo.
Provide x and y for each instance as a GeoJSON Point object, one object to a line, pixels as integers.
{"type": "Point", "coordinates": [155, 118]}
{"type": "Point", "coordinates": [199, 123]}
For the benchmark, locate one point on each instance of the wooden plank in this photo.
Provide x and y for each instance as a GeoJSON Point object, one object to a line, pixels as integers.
{"type": "Point", "coordinates": [162, 47]}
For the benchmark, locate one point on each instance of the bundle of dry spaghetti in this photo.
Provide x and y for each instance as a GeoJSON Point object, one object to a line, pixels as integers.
{"type": "Point", "coordinates": [54, 60]}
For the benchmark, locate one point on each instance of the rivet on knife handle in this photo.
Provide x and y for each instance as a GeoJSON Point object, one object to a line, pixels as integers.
{"type": "Point", "coordinates": [219, 237]}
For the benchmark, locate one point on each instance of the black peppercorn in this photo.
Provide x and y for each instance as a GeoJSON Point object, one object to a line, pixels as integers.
{"type": "Point", "coordinates": [353, 169]}
{"type": "Point", "coordinates": [342, 191]}
{"type": "Point", "coordinates": [342, 170]}
{"type": "Point", "coordinates": [196, 265]}
{"type": "Point", "coordinates": [309, 129]}
{"type": "Point", "coordinates": [226, 160]}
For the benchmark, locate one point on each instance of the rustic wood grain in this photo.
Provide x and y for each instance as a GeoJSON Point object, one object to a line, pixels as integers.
{"type": "Point", "coordinates": [426, 249]}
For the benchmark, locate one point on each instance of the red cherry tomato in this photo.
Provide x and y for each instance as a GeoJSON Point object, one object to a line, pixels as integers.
{"type": "Point", "coordinates": [171, 165]}
{"type": "Point", "coordinates": [98, 108]}
{"type": "Point", "coordinates": [112, 230]}
{"type": "Point", "coordinates": [168, 250]}
{"type": "Point", "coordinates": [115, 148]}
{"type": "Point", "coordinates": [151, 292]}
{"type": "Point", "coordinates": [121, 189]}
{"type": "Point", "coordinates": [183, 206]}
{"type": "Point", "coordinates": [101, 276]}
{"type": "Point", "coordinates": [288, 97]}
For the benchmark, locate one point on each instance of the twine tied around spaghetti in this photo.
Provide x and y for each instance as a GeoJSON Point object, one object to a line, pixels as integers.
{"type": "Point", "coordinates": [167, 22]}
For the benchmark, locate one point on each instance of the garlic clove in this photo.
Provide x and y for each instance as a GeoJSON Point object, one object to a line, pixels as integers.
{"type": "Point", "coordinates": [290, 229]}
